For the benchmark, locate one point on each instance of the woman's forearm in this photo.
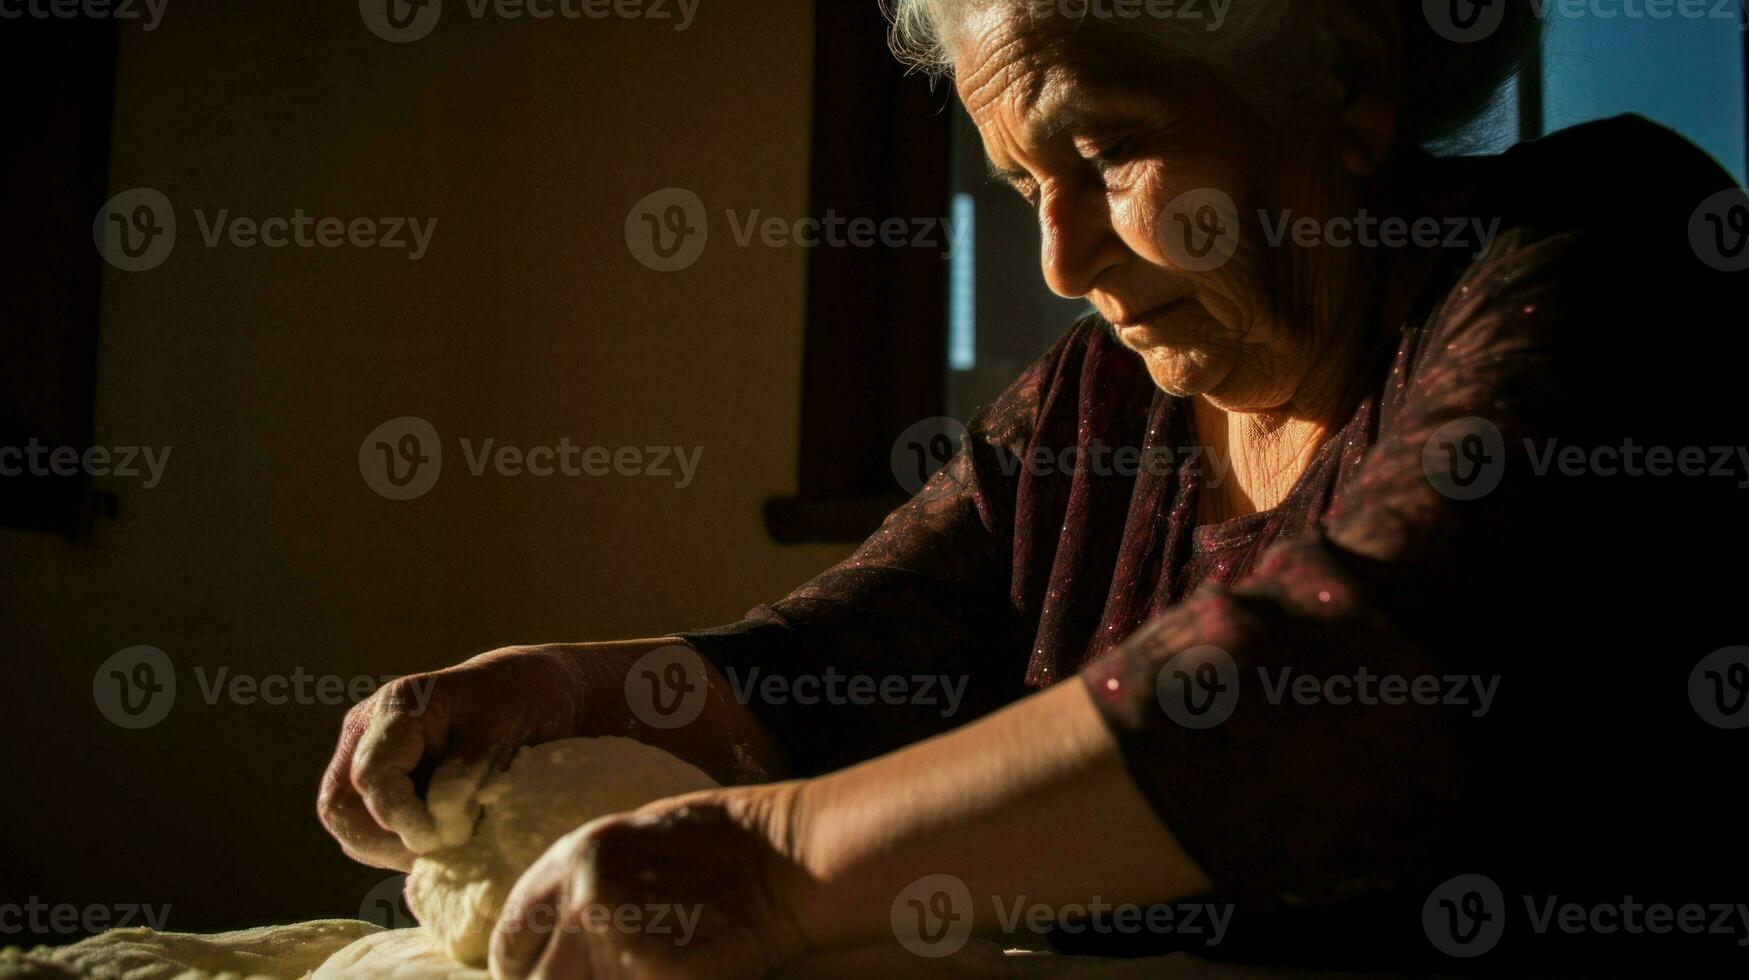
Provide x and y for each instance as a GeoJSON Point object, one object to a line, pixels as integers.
{"type": "Point", "coordinates": [1031, 802]}
{"type": "Point", "coordinates": [725, 738]}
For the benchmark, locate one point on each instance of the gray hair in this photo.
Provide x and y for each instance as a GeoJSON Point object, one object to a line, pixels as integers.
{"type": "Point", "coordinates": [1267, 52]}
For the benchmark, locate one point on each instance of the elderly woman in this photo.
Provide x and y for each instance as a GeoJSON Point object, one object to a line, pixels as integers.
{"type": "Point", "coordinates": [1411, 614]}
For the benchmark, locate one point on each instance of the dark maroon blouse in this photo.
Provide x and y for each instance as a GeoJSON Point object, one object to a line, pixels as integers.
{"type": "Point", "coordinates": [1586, 597]}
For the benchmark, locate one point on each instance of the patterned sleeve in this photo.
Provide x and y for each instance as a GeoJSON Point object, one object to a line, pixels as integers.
{"type": "Point", "coordinates": [915, 632]}
{"type": "Point", "coordinates": [1478, 661]}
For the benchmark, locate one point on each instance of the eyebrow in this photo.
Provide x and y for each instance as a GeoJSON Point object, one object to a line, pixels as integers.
{"type": "Point", "coordinates": [1079, 115]}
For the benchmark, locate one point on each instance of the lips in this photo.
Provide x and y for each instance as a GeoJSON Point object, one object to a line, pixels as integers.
{"type": "Point", "coordinates": [1151, 317]}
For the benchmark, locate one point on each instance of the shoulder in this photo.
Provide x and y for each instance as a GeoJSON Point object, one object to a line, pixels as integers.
{"type": "Point", "coordinates": [1604, 277]}
{"type": "Point", "coordinates": [1608, 177]}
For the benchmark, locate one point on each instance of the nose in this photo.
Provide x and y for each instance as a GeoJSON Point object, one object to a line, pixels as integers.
{"type": "Point", "coordinates": [1076, 240]}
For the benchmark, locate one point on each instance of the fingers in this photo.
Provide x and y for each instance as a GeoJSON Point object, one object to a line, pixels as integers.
{"type": "Point", "coordinates": [453, 801]}
{"type": "Point", "coordinates": [343, 812]}
{"type": "Point", "coordinates": [382, 772]}
{"type": "Point", "coordinates": [525, 926]}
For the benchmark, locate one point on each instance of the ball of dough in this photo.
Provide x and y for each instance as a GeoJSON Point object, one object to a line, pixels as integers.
{"type": "Point", "coordinates": [548, 791]}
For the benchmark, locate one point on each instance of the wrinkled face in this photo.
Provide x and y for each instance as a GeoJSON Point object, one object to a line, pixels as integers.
{"type": "Point", "coordinates": [1119, 164]}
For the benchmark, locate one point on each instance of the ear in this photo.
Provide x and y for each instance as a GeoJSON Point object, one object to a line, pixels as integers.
{"type": "Point", "coordinates": [1366, 58]}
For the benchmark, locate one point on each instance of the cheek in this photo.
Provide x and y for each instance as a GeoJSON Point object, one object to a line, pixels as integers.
{"type": "Point", "coordinates": [1136, 213]}
{"type": "Point", "coordinates": [1235, 290]}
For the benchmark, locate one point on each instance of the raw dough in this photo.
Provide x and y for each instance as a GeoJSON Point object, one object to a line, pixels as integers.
{"type": "Point", "coordinates": [549, 791]}
{"type": "Point", "coordinates": [280, 952]}
{"type": "Point", "coordinates": [398, 954]}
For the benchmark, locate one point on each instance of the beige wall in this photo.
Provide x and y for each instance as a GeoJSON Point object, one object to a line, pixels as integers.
{"type": "Point", "coordinates": [263, 550]}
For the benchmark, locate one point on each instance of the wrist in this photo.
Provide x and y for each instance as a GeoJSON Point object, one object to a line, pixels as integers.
{"type": "Point", "coordinates": [778, 814]}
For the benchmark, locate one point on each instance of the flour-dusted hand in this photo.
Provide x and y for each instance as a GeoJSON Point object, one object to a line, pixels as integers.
{"type": "Point", "coordinates": [449, 730]}
{"type": "Point", "coordinates": [698, 885]}
{"type": "Point", "coordinates": [406, 776]}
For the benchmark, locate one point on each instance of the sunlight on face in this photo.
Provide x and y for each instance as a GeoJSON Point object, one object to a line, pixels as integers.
{"type": "Point", "coordinates": [1147, 192]}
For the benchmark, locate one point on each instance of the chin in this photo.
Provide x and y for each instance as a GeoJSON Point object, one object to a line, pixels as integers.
{"type": "Point", "coordinates": [1188, 371]}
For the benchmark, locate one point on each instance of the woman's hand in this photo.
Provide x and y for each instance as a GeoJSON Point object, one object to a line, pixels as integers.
{"type": "Point", "coordinates": [698, 885]}
{"type": "Point", "coordinates": [1031, 804]}
{"type": "Point", "coordinates": [411, 758]}
{"type": "Point", "coordinates": [461, 723]}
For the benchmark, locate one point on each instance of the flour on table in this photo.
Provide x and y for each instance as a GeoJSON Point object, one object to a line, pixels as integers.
{"type": "Point", "coordinates": [549, 791]}
{"type": "Point", "coordinates": [280, 952]}
{"type": "Point", "coordinates": [398, 954]}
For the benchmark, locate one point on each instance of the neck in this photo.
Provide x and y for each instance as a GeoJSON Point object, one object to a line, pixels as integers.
{"type": "Point", "coordinates": [1255, 458]}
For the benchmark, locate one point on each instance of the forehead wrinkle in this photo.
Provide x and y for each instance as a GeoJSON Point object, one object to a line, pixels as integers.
{"type": "Point", "coordinates": [1059, 106]}
{"type": "Point", "coordinates": [1056, 104]}
{"type": "Point", "coordinates": [997, 75]}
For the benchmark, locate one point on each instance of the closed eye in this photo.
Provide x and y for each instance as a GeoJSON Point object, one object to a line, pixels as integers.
{"type": "Point", "coordinates": [1115, 155]}
{"type": "Point", "coordinates": [1023, 183]}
